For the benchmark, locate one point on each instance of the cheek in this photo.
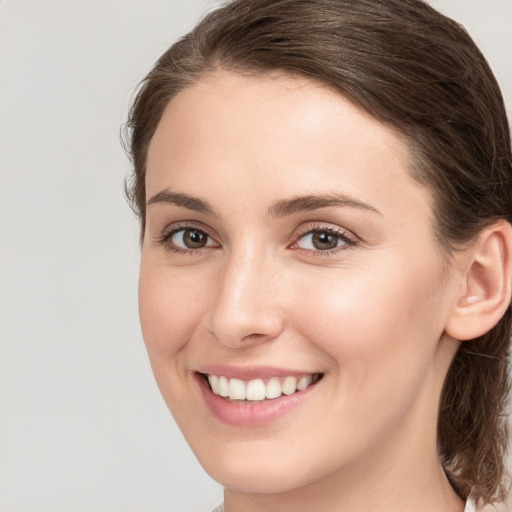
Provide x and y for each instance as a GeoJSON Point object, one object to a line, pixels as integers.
{"type": "Point", "coordinates": [169, 308]}
{"type": "Point", "coordinates": [372, 323]}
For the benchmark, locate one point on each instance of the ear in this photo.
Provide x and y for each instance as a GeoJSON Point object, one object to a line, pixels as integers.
{"type": "Point", "coordinates": [486, 282]}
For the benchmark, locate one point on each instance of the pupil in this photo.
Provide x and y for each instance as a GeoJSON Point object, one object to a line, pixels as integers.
{"type": "Point", "coordinates": [323, 241]}
{"type": "Point", "coordinates": [194, 239]}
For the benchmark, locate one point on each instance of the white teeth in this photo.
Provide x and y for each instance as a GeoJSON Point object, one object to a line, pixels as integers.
{"type": "Point", "coordinates": [289, 385]}
{"type": "Point", "coordinates": [223, 386]}
{"type": "Point", "coordinates": [236, 389]}
{"type": "Point", "coordinates": [214, 383]}
{"type": "Point", "coordinates": [304, 382]}
{"type": "Point", "coordinates": [273, 388]}
{"type": "Point", "coordinates": [256, 390]}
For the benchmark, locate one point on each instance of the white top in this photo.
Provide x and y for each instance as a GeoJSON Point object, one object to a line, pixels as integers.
{"type": "Point", "coordinates": [470, 506]}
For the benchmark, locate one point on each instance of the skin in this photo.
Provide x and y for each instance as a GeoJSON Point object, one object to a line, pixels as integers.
{"type": "Point", "coordinates": [370, 315]}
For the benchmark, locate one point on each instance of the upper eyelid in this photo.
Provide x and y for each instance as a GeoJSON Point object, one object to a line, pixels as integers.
{"type": "Point", "coordinates": [165, 238]}
{"type": "Point", "coordinates": [328, 227]}
{"type": "Point", "coordinates": [174, 227]}
{"type": "Point", "coordinates": [350, 238]}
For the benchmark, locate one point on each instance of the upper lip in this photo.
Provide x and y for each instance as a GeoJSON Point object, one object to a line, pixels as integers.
{"type": "Point", "coordinates": [251, 372]}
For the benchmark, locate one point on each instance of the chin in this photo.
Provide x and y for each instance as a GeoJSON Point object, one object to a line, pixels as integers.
{"type": "Point", "coordinates": [260, 472]}
{"type": "Point", "coordinates": [250, 480]}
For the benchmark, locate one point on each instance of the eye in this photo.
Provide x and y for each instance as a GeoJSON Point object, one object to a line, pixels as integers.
{"type": "Point", "coordinates": [323, 240]}
{"type": "Point", "coordinates": [189, 238]}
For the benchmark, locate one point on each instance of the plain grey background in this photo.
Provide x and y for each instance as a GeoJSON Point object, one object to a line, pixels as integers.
{"type": "Point", "coordinates": [82, 425]}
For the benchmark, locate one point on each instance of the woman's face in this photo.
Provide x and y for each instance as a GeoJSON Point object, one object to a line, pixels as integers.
{"type": "Point", "coordinates": [289, 253]}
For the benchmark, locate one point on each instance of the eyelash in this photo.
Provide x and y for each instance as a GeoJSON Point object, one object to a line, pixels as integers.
{"type": "Point", "coordinates": [349, 241]}
{"type": "Point", "coordinates": [165, 239]}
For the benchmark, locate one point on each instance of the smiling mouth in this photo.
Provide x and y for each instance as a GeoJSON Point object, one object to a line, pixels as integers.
{"type": "Point", "coordinates": [259, 390]}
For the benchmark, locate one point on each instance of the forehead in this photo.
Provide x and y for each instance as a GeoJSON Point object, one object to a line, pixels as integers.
{"type": "Point", "coordinates": [277, 133]}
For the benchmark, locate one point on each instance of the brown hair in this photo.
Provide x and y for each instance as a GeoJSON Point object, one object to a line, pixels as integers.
{"type": "Point", "coordinates": [420, 72]}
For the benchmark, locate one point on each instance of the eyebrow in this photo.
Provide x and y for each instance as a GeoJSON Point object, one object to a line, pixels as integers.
{"type": "Point", "coordinates": [280, 208]}
{"type": "Point", "coordinates": [315, 202]}
{"type": "Point", "coordinates": [183, 200]}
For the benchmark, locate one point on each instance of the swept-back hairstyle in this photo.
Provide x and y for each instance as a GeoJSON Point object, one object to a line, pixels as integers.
{"type": "Point", "coordinates": [419, 72]}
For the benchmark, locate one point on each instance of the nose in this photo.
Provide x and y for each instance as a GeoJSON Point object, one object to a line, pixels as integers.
{"type": "Point", "coordinates": [246, 310]}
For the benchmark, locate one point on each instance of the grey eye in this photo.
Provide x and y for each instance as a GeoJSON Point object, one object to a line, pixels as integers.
{"type": "Point", "coordinates": [320, 241]}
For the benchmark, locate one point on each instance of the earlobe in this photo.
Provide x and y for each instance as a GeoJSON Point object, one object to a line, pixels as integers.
{"type": "Point", "coordinates": [486, 293]}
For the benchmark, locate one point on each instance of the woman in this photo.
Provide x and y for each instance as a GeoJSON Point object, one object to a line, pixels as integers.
{"type": "Point", "coordinates": [325, 195]}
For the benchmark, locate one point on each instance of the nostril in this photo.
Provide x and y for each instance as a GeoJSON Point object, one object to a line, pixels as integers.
{"type": "Point", "coordinates": [241, 335]}
{"type": "Point", "coordinates": [254, 337]}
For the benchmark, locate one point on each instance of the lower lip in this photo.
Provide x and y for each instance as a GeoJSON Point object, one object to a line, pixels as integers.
{"type": "Point", "coordinates": [252, 413]}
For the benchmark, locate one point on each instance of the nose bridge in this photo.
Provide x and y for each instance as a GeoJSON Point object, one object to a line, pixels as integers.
{"type": "Point", "coordinates": [245, 308]}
